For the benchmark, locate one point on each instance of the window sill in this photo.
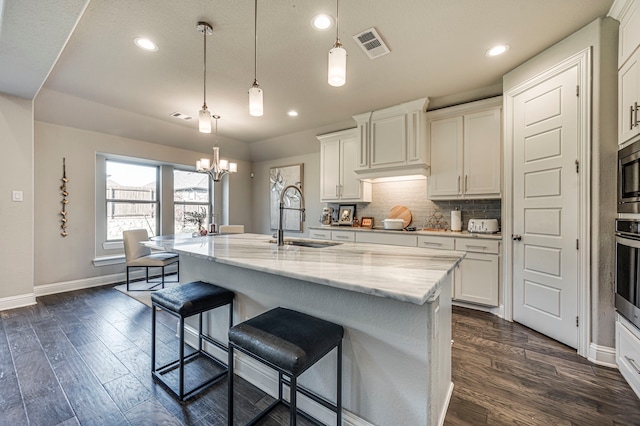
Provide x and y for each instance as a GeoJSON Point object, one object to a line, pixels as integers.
{"type": "Point", "coordinates": [108, 260]}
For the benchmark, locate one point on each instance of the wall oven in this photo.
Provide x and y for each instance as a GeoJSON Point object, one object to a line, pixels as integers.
{"type": "Point", "coordinates": [628, 269]}
{"type": "Point", "coordinates": [629, 179]}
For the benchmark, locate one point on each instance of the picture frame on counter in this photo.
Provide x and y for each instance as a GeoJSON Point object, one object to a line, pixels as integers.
{"type": "Point", "coordinates": [346, 214]}
{"type": "Point", "coordinates": [366, 222]}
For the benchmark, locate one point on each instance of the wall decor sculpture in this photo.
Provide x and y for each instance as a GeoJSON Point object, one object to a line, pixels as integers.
{"type": "Point", "coordinates": [63, 188]}
{"type": "Point", "coordinates": [280, 178]}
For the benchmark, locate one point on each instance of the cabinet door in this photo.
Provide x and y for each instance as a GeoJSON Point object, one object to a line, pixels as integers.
{"type": "Point", "coordinates": [482, 159]}
{"type": "Point", "coordinates": [351, 185]}
{"type": "Point", "coordinates": [388, 140]}
{"type": "Point", "coordinates": [629, 31]}
{"type": "Point", "coordinates": [330, 170]}
{"type": "Point", "coordinates": [628, 99]}
{"type": "Point", "coordinates": [476, 279]}
{"type": "Point", "coordinates": [446, 158]}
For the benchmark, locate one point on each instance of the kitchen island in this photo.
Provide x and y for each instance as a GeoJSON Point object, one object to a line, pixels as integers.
{"type": "Point", "coordinates": [394, 303]}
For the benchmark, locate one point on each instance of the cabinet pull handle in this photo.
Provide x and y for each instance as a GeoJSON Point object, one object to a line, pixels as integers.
{"type": "Point", "coordinates": [478, 247]}
{"type": "Point", "coordinates": [341, 237]}
{"type": "Point", "coordinates": [337, 191]}
{"type": "Point", "coordinates": [631, 117]}
{"type": "Point", "coordinates": [466, 183]}
{"type": "Point", "coordinates": [635, 114]}
{"type": "Point", "coordinates": [428, 243]}
{"type": "Point", "coordinates": [458, 184]}
{"type": "Point", "coordinates": [633, 364]}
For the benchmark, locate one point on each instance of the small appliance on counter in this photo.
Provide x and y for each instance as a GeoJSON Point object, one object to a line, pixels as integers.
{"type": "Point", "coordinates": [327, 216]}
{"type": "Point", "coordinates": [395, 224]}
{"type": "Point", "coordinates": [483, 226]}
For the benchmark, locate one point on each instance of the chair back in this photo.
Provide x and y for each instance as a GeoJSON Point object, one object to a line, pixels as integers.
{"type": "Point", "coordinates": [232, 229]}
{"type": "Point", "coordinates": [132, 247]}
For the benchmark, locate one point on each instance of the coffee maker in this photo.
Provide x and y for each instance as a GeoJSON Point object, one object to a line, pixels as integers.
{"type": "Point", "coordinates": [327, 216]}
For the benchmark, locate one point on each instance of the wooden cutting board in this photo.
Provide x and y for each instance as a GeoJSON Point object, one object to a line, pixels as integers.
{"type": "Point", "coordinates": [401, 212]}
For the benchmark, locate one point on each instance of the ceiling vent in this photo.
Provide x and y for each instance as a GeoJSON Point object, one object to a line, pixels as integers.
{"type": "Point", "coordinates": [181, 116]}
{"type": "Point", "coordinates": [371, 42]}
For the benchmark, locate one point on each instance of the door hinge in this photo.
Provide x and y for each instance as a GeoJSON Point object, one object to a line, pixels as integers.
{"type": "Point", "coordinates": [577, 166]}
{"type": "Point", "coordinates": [577, 90]}
{"type": "Point", "coordinates": [577, 322]}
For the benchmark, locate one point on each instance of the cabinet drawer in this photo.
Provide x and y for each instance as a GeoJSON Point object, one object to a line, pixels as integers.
{"type": "Point", "coordinates": [343, 236]}
{"type": "Point", "coordinates": [443, 243]}
{"type": "Point", "coordinates": [477, 245]}
{"type": "Point", "coordinates": [398, 239]}
{"type": "Point", "coordinates": [628, 356]}
{"type": "Point", "coordinates": [320, 234]}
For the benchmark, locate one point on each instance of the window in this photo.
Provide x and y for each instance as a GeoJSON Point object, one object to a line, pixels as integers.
{"type": "Point", "coordinates": [191, 201]}
{"type": "Point", "coordinates": [132, 198]}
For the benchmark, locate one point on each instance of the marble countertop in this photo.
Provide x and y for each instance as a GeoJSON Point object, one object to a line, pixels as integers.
{"type": "Point", "coordinates": [463, 234]}
{"type": "Point", "coordinates": [407, 274]}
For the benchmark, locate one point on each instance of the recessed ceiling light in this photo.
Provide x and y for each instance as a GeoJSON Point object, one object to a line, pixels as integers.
{"type": "Point", "coordinates": [292, 113]}
{"type": "Point", "coordinates": [497, 50]}
{"type": "Point", "coordinates": [146, 44]}
{"type": "Point", "coordinates": [322, 22]}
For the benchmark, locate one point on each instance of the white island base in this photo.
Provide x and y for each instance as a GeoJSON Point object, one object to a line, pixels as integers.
{"type": "Point", "coordinates": [396, 354]}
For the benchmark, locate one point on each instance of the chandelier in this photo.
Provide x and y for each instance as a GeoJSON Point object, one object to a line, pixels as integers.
{"type": "Point", "coordinates": [216, 168]}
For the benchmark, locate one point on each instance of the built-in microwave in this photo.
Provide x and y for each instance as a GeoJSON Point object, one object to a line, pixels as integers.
{"type": "Point", "coordinates": [629, 179]}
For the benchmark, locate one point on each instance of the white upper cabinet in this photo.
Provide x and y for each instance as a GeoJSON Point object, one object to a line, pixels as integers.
{"type": "Point", "coordinates": [466, 150]}
{"type": "Point", "coordinates": [338, 160]}
{"type": "Point", "coordinates": [392, 141]}
{"type": "Point", "coordinates": [628, 13]}
{"type": "Point", "coordinates": [628, 99]}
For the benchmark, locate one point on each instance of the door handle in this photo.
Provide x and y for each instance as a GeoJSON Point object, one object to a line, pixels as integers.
{"type": "Point", "coordinates": [516, 237]}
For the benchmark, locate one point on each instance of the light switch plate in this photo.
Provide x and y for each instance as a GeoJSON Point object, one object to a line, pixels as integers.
{"type": "Point", "coordinates": [17, 196]}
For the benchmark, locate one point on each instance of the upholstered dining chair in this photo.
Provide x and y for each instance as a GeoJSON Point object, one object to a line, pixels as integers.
{"type": "Point", "coordinates": [232, 229]}
{"type": "Point", "coordinates": [139, 256]}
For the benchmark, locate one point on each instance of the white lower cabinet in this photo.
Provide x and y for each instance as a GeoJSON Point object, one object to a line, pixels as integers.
{"type": "Point", "coordinates": [399, 239]}
{"type": "Point", "coordinates": [477, 278]}
{"type": "Point", "coordinates": [628, 353]}
{"type": "Point", "coordinates": [320, 234]}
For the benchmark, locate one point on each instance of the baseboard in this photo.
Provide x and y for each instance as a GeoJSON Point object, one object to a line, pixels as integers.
{"type": "Point", "coordinates": [266, 379]}
{"type": "Point", "coordinates": [18, 301]}
{"type": "Point", "coordinates": [64, 286]}
{"type": "Point", "coordinates": [602, 355]}
{"type": "Point", "coordinates": [445, 406]}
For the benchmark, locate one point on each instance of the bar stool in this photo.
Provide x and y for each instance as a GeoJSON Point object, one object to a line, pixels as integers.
{"type": "Point", "coordinates": [289, 342]}
{"type": "Point", "coordinates": [184, 301]}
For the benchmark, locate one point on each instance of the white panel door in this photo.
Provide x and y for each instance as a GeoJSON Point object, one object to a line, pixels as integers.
{"type": "Point", "coordinates": [545, 207]}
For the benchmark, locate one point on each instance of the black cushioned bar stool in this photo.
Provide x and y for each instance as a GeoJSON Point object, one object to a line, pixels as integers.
{"type": "Point", "coordinates": [289, 342]}
{"type": "Point", "coordinates": [184, 301]}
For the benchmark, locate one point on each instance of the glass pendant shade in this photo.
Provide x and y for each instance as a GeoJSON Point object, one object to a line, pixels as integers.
{"type": "Point", "coordinates": [337, 66]}
{"type": "Point", "coordinates": [255, 100]}
{"type": "Point", "coordinates": [204, 120]}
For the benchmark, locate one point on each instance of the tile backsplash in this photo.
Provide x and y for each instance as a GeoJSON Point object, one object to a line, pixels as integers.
{"type": "Point", "coordinates": [413, 195]}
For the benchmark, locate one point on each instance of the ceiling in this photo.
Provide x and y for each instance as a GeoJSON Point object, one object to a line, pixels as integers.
{"type": "Point", "coordinates": [103, 82]}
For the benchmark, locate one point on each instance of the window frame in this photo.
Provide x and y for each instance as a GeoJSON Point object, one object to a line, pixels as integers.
{"type": "Point", "coordinates": [158, 202]}
{"type": "Point", "coordinates": [208, 204]}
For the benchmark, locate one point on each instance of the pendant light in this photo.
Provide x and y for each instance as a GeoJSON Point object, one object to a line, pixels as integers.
{"type": "Point", "coordinates": [255, 92]}
{"type": "Point", "coordinates": [204, 116]}
{"type": "Point", "coordinates": [337, 57]}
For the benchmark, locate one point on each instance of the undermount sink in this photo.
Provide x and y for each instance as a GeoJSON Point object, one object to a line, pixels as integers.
{"type": "Point", "coordinates": [304, 243]}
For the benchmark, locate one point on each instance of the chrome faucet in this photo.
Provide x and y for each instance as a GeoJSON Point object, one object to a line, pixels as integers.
{"type": "Point", "coordinates": [283, 208]}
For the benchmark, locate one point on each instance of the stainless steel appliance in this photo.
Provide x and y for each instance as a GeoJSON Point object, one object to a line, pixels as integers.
{"type": "Point", "coordinates": [629, 179]}
{"type": "Point", "coordinates": [628, 269]}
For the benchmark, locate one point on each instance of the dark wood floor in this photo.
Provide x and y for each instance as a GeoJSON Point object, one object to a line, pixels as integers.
{"type": "Point", "coordinates": [83, 358]}
{"type": "Point", "coordinates": [507, 374]}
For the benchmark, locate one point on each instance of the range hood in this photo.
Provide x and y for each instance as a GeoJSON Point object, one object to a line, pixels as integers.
{"type": "Point", "coordinates": [393, 141]}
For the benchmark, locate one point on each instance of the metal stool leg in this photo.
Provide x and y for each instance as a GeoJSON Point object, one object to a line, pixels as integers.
{"type": "Point", "coordinates": [153, 337]}
{"type": "Point", "coordinates": [292, 400]}
{"type": "Point", "coordinates": [181, 388]}
{"type": "Point", "coordinates": [339, 390]}
{"type": "Point", "coordinates": [230, 387]}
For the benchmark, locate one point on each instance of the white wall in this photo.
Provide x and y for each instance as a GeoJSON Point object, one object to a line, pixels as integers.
{"type": "Point", "coordinates": [311, 190]}
{"type": "Point", "coordinates": [602, 35]}
{"type": "Point", "coordinates": [16, 218]}
{"type": "Point", "coordinates": [67, 259]}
